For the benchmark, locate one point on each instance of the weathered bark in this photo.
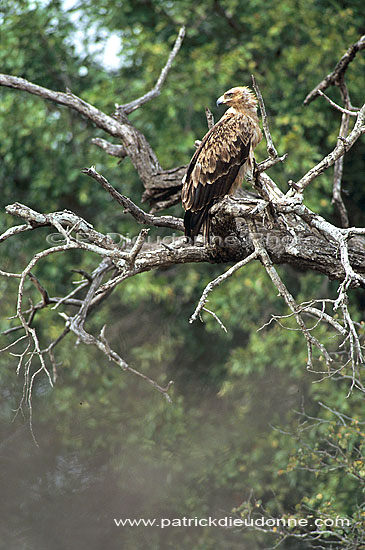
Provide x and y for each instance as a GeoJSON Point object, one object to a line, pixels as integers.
{"type": "Point", "coordinates": [272, 227]}
{"type": "Point", "coordinates": [293, 243]}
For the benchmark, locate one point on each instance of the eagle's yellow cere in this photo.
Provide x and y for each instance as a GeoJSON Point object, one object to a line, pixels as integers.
{"type": "Point", "coordinates": [221, 161]}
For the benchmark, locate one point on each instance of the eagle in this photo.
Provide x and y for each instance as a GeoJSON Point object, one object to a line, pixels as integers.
{"type": "Point", "coordinates": [221, 161]}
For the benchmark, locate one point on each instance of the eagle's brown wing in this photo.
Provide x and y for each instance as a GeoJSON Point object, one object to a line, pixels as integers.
{"type": "Point", "coordinates": [214, 168]}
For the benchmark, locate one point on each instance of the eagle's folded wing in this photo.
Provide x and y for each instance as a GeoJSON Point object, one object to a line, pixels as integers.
{"type": "Point", "coordinates": [214, 167]}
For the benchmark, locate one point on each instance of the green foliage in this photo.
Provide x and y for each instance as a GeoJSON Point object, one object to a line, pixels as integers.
{"type": "Point", "coordinates": [203, 454]}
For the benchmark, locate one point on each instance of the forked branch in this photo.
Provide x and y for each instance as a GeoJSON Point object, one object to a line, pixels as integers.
{"type": "Point", "coordinates": [338, 71]}
{"type": "Point", "coordinates": [276, 228]}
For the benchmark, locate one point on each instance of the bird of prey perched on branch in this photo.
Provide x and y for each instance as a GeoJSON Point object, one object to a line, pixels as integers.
{"type": "Point", "coordinates": [223, 158]}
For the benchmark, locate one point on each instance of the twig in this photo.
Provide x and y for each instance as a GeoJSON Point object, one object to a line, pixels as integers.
{"type": "Point", "coordinates": [274, 276]}
{"type": "Point", "coordinates": [110, 148]}
{"type": "Point", "coordinates": [325, 317]}
{"type": "Point", "coordinates": [215, 316]}
{"type": "Point", "coordinates": [135, 104]}
{"type": "Point", "coordinates": [135, 250]}
{"type": "Point", "coordinates": [210, 118]}
{"type": "Point", "coordinates": [84, 273]}
{"type": "Point", "coordinates": [98, 274]}
{"type": "Point", "coordinates": [339, 70]}
{"type": "Point", "coordinates": [338, 168]}
{"type": "Point", "coordinates": [54, 343]}
{"type": "Point", "coordinates": [337, 107]}
{"type": "Point", "coordinates": [350, 278]}
{"type": "Point", "coordinates": [66, 298]}
{"type": "Point", "coordinates": [15, 230]}
{"type": "Point", "coordinates": [204, 297]}
{"type": "Point", "coordinates": [269, 162]}
{"type": "Point", "coordinates": [270, 146]}
{"type": "Point", "coordinates": [265, 186]}
{"type": "Point", "coordinates": [40, 288]}
{"type": "Point", "coordinates": [13, 343]}
{"type": "Point", "coordinates": [10, 275]}
{"type": "Point", "coordinates": [341, 148]}
{"type": "Point", "coordinates": [139, 215]}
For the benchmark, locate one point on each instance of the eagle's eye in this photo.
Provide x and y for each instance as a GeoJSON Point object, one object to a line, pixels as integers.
{"type": "Point", "coordinates": [229, 94]}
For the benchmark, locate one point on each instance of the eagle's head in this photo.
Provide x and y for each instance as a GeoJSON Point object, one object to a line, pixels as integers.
{"type": "Point", "coordinates": [239, 97]}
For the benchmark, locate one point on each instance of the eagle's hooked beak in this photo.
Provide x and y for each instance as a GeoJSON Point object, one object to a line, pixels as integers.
{"type": "Point", "coordinates": [220, 100]}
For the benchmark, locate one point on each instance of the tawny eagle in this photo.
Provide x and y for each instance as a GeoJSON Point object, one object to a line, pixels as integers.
{"type": "Point", "coordinates": [223, 158]}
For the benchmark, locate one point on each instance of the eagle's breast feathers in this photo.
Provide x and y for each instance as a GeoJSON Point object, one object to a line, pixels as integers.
{"type": "Point", "coordinates": [219, 165]}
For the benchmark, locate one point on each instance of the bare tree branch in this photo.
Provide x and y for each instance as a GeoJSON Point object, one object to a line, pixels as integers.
{"type": "Point", "coordinates": [270, 146]}
{"type": "Point", "coordinates": [210, 117]}
{"type": "Point", "coordinates": [273, 274]}
{"type": "Point", "coordinates": [139, 215]}
{"type": "Point", "coordinates": [99, 243]}
{"type": "Point", "coordinates": [215, 316]}
{"type": "Point", "coordinates": [15, 230]}
{"type": "Point", "coordinates": [341, 148]}
{"type": "Point", "coordinates": [268, 163]}
{"type": "Point", "coordinates": [100, 119]}
{"type": "Point", "coordinates": [337, 78]}
{"type": "Point", "coordinates": [134, 142]}
{"type": "Point", "coordinates": [276, 228]}
{"type": "Point", "coordinates": [156, 90]}
{"type": "Point", "coordinates": [76, 325]}
{"type": "Point", "coordinates": [337, 107]}
{"type": "Point", "coordinates": [338, 168]}
{"type": "Point", "coordinates": [110, 148]}
{"type": "Point", "coordinates": [216, 282]}
{"type": "Point", "coordinates": [338, 71]}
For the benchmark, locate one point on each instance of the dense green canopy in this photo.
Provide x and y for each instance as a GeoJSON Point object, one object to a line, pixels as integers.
{"type": "Point", "coordinates": [110, 446]}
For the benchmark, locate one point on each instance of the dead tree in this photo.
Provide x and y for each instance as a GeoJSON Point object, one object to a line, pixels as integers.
{"type": "Point", "coordinates": [274, 228]}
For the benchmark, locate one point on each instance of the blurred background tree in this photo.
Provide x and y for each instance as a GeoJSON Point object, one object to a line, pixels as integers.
{"type": "Point", "coordinates": [109, 445]}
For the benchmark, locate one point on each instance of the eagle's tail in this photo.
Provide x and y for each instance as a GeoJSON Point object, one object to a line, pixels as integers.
{"type": "Point", "coordinates": [195, 221]}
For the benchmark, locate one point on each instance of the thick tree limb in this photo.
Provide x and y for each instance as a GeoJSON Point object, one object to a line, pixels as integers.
{"type": "Point", "coordinates": [100, 119]}
{"type": "Point", "coordinates": [138, 258]}
{"type": "Point", "coordinates": [276, 228]}
{"type": "Point", "coordinates": [134, 142]}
